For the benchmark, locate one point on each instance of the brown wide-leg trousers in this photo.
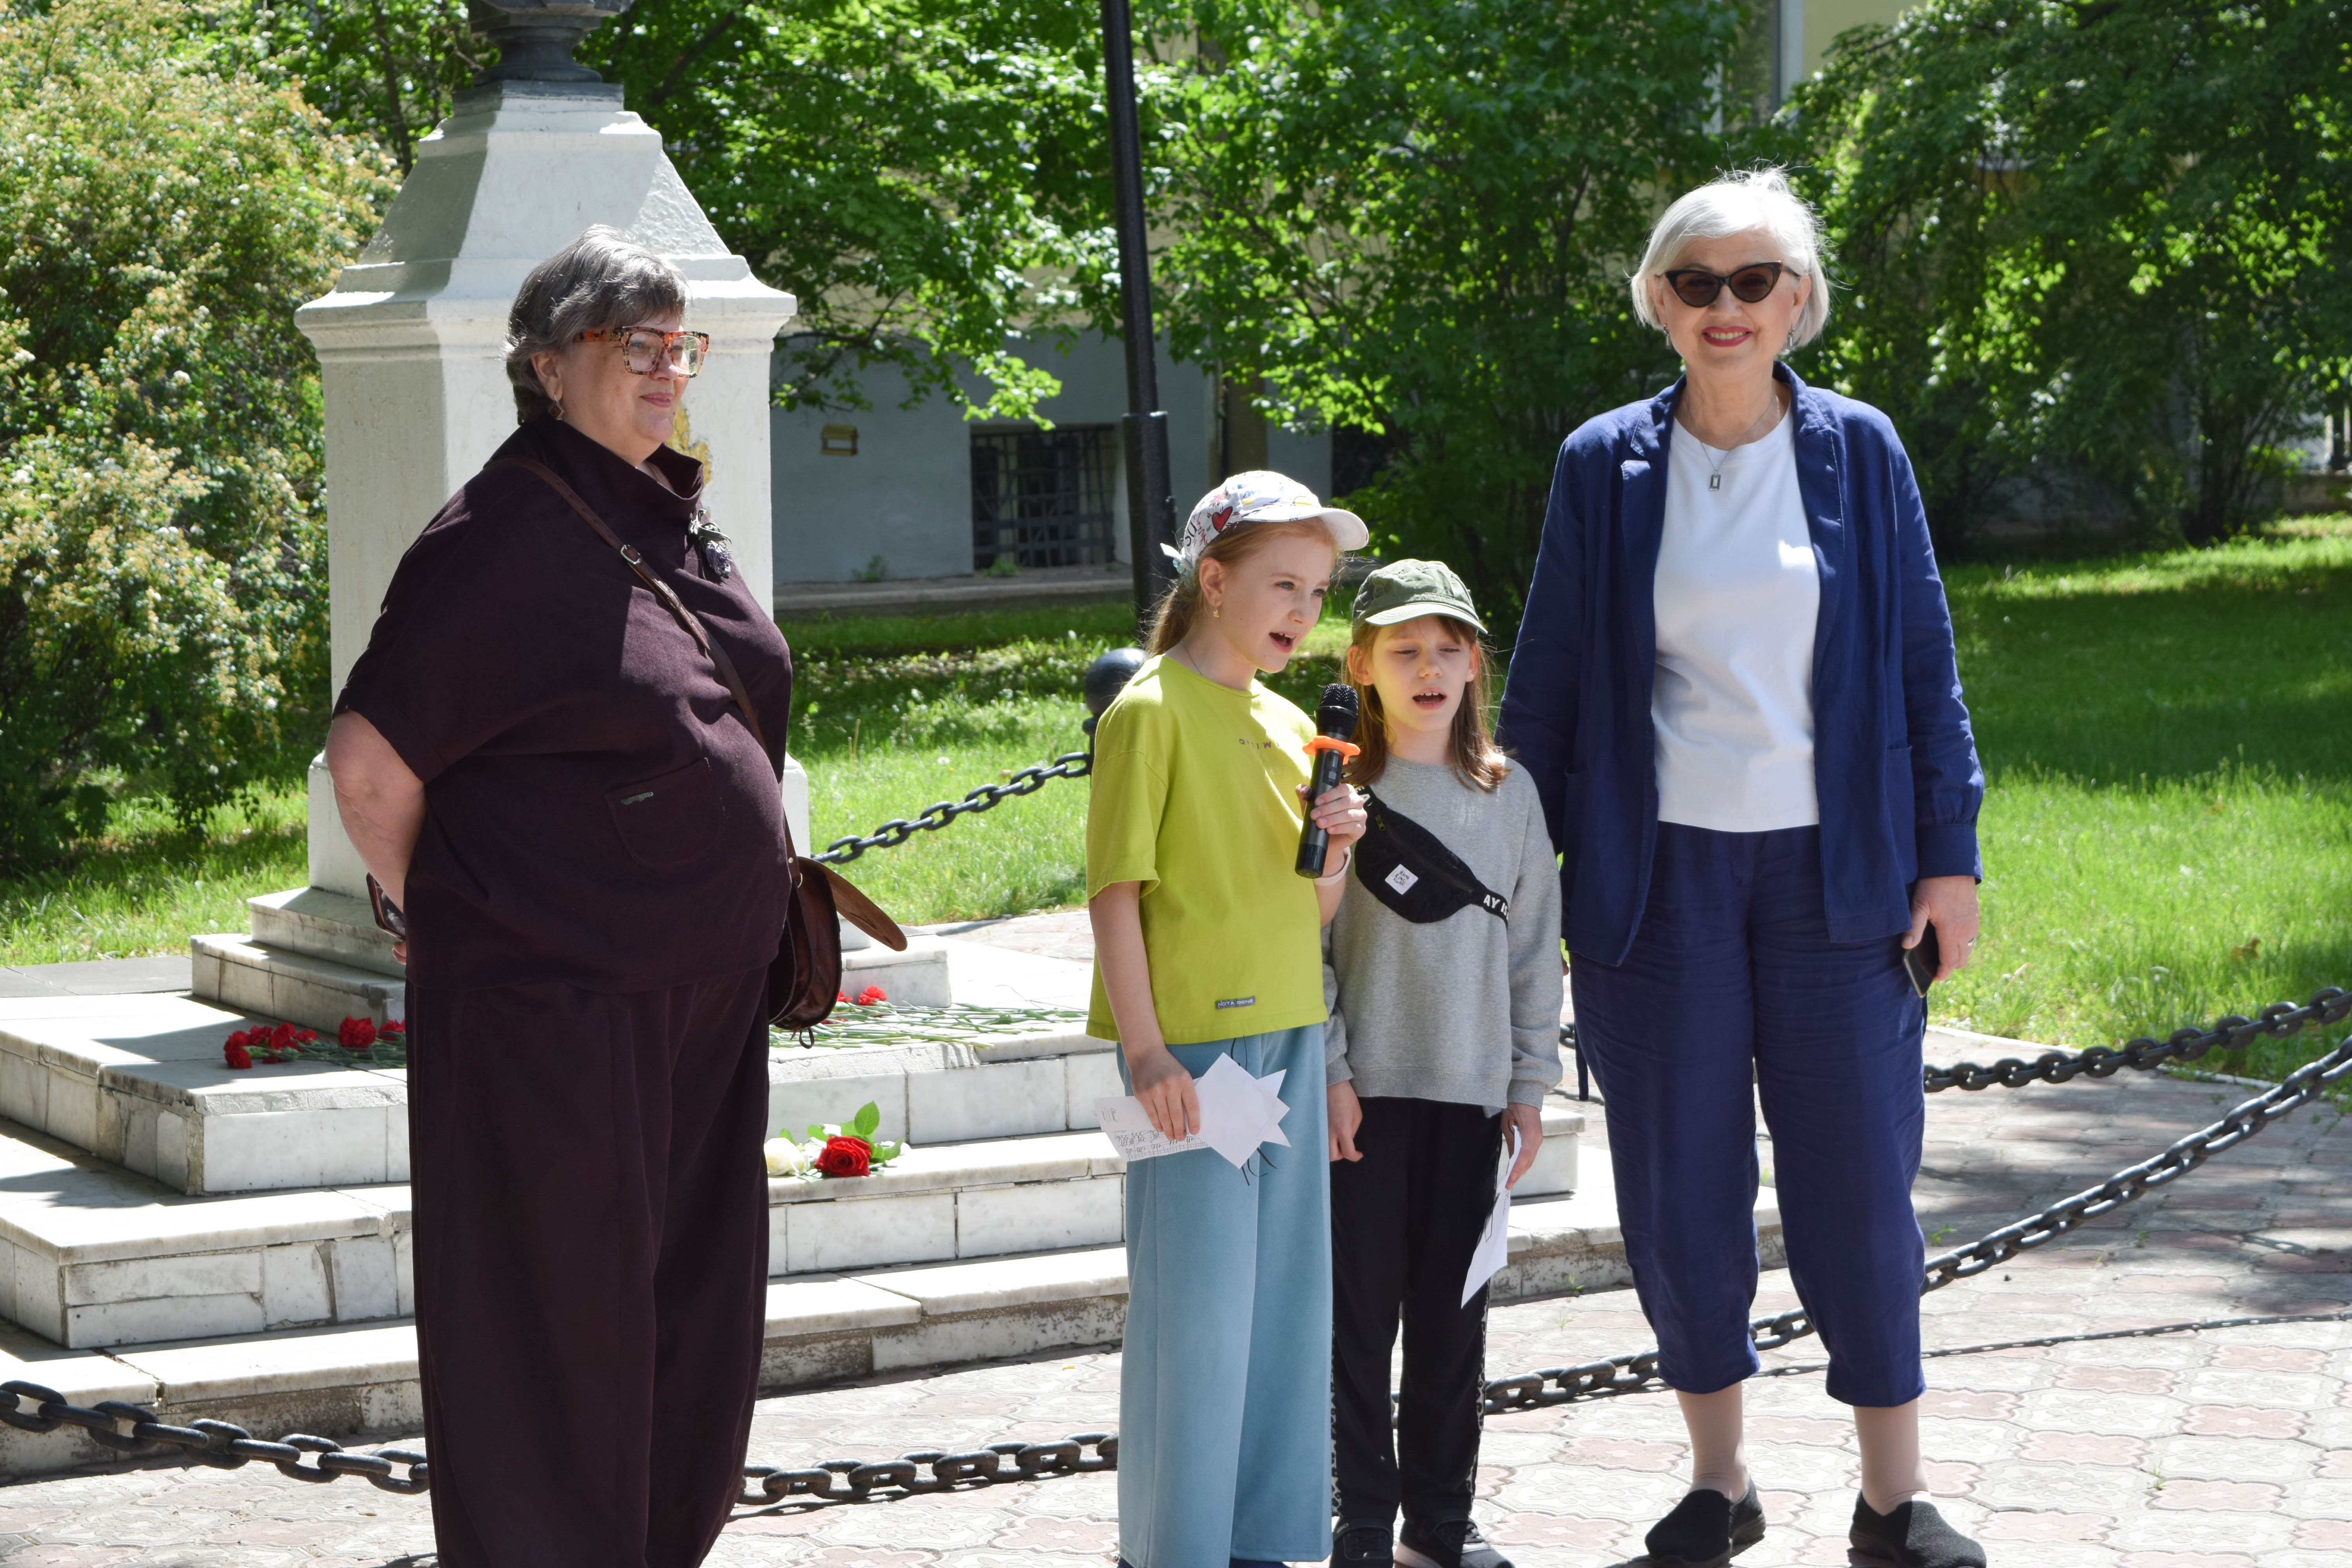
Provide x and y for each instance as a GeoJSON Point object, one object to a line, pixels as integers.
{"type": "Point", "coordinates": [592, 1266]}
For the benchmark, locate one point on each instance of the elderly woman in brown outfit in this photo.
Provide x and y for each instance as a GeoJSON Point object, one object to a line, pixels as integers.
{"type": "Point", "coordinates": [542, 765]}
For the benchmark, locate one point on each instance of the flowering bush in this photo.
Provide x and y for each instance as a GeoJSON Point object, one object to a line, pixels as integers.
{"type": "Point", "coordinates": [168, 199]}
{"type": "Point", "coordinates": [834, 1151]}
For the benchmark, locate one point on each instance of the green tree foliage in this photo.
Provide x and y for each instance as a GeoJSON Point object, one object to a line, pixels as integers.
{"type": "Point", "coordinates": [387, 70]}
{"type": "Point", "coordinates": [163, 606]}
{"type": "Point", "coordinates": [1415, 219]}
{"type": "Point", "coordinates": [2091, 239]}
{"type": "Point", "coordinates": [928, 176]}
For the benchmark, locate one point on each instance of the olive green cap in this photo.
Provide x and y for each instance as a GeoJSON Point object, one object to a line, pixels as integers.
{"type": "Point", "coordinates": [1402, 590]}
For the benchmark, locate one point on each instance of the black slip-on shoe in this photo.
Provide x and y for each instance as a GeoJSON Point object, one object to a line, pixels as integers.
{"type": "Point", "coordinates": [1706, 1530]}
{"type": "Point", "coordinates": [1446, 1543]}
{"type": "Point", "coordinates": [1358, 1543]}
{"type": "Point", "coordinates": [1914, 1536]}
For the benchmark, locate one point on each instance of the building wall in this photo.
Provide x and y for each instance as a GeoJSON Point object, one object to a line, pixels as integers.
{"type": "Point", "coordinates": [906, 495]}
{"type": "Point", "coordinates": [1819, 22]}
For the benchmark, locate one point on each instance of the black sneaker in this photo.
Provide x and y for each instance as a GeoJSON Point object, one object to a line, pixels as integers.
{"type": "Point", "coordinates": [1363, 1541]}
{"type": "Point", "coordinates": [1446, 1543]}
{"type": "Point", "coordinates": [1914, 1536]}
{"type": "Point", "coordinates": [1706, 1530]}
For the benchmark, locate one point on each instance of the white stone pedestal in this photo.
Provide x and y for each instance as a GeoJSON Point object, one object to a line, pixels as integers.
{"type": "Point", "coordinates": [411, 345]}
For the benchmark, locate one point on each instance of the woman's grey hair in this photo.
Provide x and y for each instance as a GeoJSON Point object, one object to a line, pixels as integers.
{"type": "Point", "coordinates": [1737, 202]}
{"type": "Point", "coordinates": [601, 279]}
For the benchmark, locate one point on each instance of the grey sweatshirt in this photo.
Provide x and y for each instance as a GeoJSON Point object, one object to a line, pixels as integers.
{"type": "Point", "coordinates": [1465, 1009]}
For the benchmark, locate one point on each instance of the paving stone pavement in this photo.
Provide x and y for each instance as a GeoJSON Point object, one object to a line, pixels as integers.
{"type": "Point", "coordinates": [2229, 1448]}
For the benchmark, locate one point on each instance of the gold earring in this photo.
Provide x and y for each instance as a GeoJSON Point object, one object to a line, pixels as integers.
{"type": "Point", "coordinates": [1215, 614]}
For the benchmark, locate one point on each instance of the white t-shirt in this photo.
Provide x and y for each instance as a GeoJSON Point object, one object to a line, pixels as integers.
{"type": "Point", "coordinates": [1737, 593]}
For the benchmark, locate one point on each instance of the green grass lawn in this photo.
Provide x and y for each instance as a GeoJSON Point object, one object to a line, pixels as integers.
{"type": "Point", "coordinates": [2167, 830]}
{"type": "Point", "coordinates": [2168, 833]}
{"type": "Point", "coordinates": [145, 888]}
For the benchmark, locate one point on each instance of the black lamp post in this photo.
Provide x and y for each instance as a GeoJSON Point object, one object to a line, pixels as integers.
{"type": "Point", "coordinates": [1150, 495]}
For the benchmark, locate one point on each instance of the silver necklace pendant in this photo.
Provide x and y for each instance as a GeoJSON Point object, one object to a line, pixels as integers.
{"type": "Point", "coordinates": [1715, 481]}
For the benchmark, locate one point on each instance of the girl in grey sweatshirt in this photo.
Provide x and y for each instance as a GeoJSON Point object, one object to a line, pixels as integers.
{"type": "Point", "coordinates": [1443, 965]}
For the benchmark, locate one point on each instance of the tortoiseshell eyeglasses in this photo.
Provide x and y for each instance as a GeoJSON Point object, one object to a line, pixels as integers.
{"type": "Point", "coordinates": [643, 348]}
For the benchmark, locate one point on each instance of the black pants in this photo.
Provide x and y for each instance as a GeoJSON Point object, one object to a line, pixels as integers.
{"type": "Point", "coordinates": [592, 1266]}
{"type": "Point", "coordinates": [1404, 1221]}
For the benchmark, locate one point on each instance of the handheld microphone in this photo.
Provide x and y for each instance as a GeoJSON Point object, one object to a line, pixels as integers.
{"type": "Point", "coordinates": [1335, 718]}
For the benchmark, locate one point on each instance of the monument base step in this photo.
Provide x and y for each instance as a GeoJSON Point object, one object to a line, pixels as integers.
{"type": "Point", "coordinates": [139, 1081]}
{"type": "Point", "coordinates": [318, 991]}
{"type": "Point", "coordinates": [95, 1257]}
{"type": "Point", "coordinates": [351, 1382]}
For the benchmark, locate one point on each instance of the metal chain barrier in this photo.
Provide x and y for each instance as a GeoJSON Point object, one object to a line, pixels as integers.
{"type": "Point", "coordinates": [890, 834]}
{"type": "Point", "coordinates": [2277, 1021]}
{"type": "Point", "coordinates": [1629, 1374]}
{"type": "Point", "coordinates": [902, 1477]}
{"type": "Point", "coordinates": [135, 1429]}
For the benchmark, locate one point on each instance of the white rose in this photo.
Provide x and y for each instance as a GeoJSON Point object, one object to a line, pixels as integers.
{"type": "Point", "coordinates": [786, 1158]}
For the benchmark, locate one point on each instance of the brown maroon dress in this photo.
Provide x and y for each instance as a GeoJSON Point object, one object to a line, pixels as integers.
{"type": "Point", "coordinates": [593, 900]}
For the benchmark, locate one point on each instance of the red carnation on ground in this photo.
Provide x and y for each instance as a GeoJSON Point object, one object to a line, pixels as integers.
{"type": "Point", "coordinates": [281, 1038]}
{"type": "Point", "coordinates": [306, 1036]}
{"type": "Point", "coordinates": [235, 1052]}
{"type": "Point", "coordinates": [841, 996]}
{"type": "Point", "coordinates": [845, 1156]}
{"type": "Point", "coordinates": [393, 1029]}
{"type": "Point", "coordinates": [870, 996]}
{"type": "Point", "coordinates": [355, 1034]}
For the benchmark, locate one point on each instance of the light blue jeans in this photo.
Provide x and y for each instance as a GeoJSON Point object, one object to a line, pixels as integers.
{"type": "Point", "coordinates": [1224, 1405]}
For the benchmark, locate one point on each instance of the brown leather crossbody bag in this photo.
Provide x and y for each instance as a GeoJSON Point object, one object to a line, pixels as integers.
{"type": "Point", "coordinates": [805, 978]}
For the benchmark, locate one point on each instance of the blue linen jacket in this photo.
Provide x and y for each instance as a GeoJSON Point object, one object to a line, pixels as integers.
{"type": "Point", "coordinates": [1894, 763]}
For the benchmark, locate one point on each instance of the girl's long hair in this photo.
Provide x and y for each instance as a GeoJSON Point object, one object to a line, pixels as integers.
{"type": "Point", "coordinates": [1172, 622]}
{"type": "Point", "coordinates": [1476, 761]}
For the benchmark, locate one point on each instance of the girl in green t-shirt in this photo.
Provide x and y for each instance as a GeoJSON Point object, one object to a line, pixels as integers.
{"type": "Point", "coordinates": [1207, 945]}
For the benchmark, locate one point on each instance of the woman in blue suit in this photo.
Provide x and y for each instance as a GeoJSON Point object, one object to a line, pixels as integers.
{"type": "Point", "coordinates": [1734, 688]}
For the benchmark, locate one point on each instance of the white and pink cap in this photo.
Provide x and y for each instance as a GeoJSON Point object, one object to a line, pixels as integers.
{"type": "Point", "coordinates": [1261, 496]}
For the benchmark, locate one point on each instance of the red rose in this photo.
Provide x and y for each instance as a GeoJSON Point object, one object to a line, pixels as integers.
{"type": "Point", "coordinates": [845, 1156]}
{"type": "Point", "coordinates": [237, 1056]}
{"type": "Point", "coordinates": [870, 996]}
{"type": "Point", "coordinates": [356, 1035]}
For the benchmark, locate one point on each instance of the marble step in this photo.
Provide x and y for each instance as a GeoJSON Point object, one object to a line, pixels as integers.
{"type": "Point", "coordinates": [139, 1081]}
{"type": "Point", "coordinates": [357, 1382]}
{"type": "Point", "coordinates": [248, 973]}
{"type": "Point", "coordinates": [93, 1256]}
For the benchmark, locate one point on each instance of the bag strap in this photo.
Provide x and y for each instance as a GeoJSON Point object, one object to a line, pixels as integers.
{"type": "Point", "coordinates": [661, 589]}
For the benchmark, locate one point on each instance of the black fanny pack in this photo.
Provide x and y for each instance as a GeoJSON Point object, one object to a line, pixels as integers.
{"type": "Point", "coordinates": [1410, 869]}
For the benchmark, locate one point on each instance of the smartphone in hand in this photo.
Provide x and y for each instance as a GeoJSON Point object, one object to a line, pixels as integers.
{"type": "Point", "coordinates": [1921, 963]}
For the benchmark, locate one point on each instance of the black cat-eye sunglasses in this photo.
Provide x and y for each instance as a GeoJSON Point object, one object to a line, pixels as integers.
{"type": "Point", "coordinates": [1696, 287]}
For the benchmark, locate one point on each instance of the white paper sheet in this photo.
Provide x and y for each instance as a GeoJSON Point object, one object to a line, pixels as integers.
{"type": "Point", "coordinates": [1495, 1241]}
{"type": "Point", "coordinates": [1238, 1113]}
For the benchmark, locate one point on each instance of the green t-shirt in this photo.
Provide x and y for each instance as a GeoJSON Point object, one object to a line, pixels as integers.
{"type": "Point", "coordinates": [1196, 797]}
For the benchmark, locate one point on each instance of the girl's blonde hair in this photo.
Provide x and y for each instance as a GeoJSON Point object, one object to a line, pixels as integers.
{"type": "Point", "coordinates": [1470, 748]}
{"type": "Point", "coordinates": [1172, 623]}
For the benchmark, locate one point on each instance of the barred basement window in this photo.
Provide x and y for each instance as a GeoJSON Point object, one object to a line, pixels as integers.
{"type": "Point", "coordinates": [1042, 498]}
